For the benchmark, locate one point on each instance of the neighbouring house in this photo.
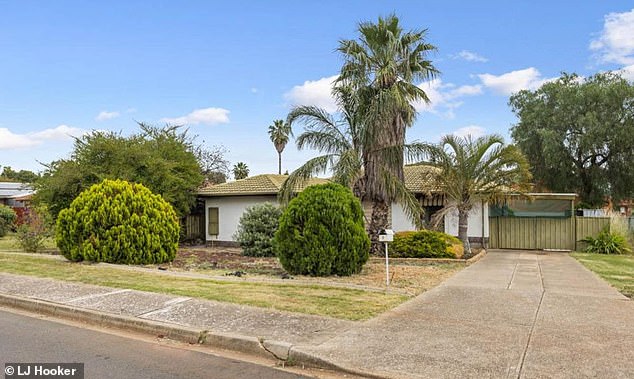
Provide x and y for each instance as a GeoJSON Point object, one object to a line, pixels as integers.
{"type": "Point", "coordinates": [626, 207]}
{"type": "Point", "coordinates": [15, 195]}
{"type": "Point", "coordinates": [226, 202]}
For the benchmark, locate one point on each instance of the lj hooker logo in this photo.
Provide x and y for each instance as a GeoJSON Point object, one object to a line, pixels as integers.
{"type": "Point", "coordinates": [44, 370]}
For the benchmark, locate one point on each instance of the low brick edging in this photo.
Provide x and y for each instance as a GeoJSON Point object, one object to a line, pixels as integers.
{"type": "Point", "coordinates": [414, 261]}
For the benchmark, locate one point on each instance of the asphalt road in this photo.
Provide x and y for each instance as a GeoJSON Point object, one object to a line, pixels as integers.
{"type": "Point", "coordinates": [27, 339]}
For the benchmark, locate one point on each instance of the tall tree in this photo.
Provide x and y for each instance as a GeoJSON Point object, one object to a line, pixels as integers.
{"type": "Point", "coordinates": [382, 67]}
{"type": "Point", "coordinates": [162, 159]}
{"type": "Point", "coordinates": [279, 133]}
{"type": "Point", "coordinates": [240, 171]}
{"type": "Point", "coordinates": [578, 135]}
{"type": "Point", "coordinates": [471, 170]}
{"type": "Point", "coordinates": [340, 139]}
{"type": "Point", "coordinates": [213, 164]}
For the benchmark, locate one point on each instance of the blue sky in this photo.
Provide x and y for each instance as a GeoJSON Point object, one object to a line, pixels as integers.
{"type": "Point", "coordinates": [227, 69]}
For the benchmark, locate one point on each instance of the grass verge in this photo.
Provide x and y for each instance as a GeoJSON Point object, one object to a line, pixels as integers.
{"type": "Point", "coordinates": [343, 303]}
{"type": "Point", "coordinates": [618, 270]}
{"type": "Point", "coordinates": [10, 243]}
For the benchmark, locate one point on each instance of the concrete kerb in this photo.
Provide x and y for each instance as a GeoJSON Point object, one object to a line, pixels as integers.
{"type": "Point", "coordinates": [282, 351]}
{"type": "Point", "coordinates": [298, 357]}
{"type": "Point", "coordinates": [227, 341]}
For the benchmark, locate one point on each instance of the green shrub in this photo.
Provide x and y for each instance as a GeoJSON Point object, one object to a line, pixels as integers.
{"type": "Point", "coordinates": [35, 229]}
{"type": "Point", "coordinates": [607, 243]}
{"type": "Point", "coordinates": [7, 218]}
{"type": "Point", "coordinates": [118, 222]}
{"type": "Point", "coordinates": [321, 233]}
{"type": "Point", "coordinates": [257, 228]}
{"type": "Point", "coordinates": [425, 244]}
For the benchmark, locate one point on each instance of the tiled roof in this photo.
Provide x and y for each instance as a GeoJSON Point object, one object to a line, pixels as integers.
{"type": "Point", "coordinates": [266, 184]}
{"type": "Point", "coordinates": [419, 178]}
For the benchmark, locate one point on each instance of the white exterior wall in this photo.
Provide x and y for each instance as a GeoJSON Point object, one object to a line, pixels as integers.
{"type": "Point", "coordinates": [475, 224]}
{"type": "Point", "coordinates": [400, 221]}
{"type": "Point", "coordinates": [230, 209]}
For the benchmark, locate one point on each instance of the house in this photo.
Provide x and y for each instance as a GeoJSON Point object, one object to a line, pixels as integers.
{"type": "Point", "coordinates": [225, 203]}
{"type": "Point", "coordinates": [15, 195]}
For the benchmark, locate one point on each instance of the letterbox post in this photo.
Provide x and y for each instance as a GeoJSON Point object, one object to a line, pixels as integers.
{"type": "Point", "coordinates": [385, 236]}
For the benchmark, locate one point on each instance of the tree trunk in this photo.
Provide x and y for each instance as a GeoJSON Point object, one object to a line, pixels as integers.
{"type": "Point", "coordinates": [463, 222]}
{"type": "Point", "coordinates": [378, 221]}
{"type": "Point", "coordinates": [279, 163]}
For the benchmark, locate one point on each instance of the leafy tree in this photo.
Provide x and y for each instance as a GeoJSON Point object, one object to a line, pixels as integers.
{"type": "Point", "coordinates": [382, 67]}
{"type": "Point", "coordinates": [321, 233]}
{"type": "Point", "coordinates": [256, 230]}
{"type": "Point", "coordinates": [279, 133]}
{"type": "Point", "coordinates": [240, 171]}
{"type": "Point", "coordinates": [213, 164]}
{"type": "Point", "coordinates": [118, 222]}
{"type": "Point", "coordinates": [162, 159]}
{"type": "Point", "coordinates": [470, 170]}
{"type": "Point", "coordinates": [578, 135]}
{"type": "Point", "coordinates": [22, 176]}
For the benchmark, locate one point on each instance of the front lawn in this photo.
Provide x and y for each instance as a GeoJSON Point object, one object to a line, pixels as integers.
{"type": "Point", "coordinates": [320, 298]}
{"type": "Point", "coordinates": [618, 270]}
{"type": "Point", "coordinates": [10, 243]}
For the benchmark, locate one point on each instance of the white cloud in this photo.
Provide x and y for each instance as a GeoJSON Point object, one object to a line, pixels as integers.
{"type": "Point", "coordinates": [316, 93]}
{"type": "Point", "coordinates": [474, 131]}
{"type": "Point", "coordinates": [444, 97]}
{"type": "Point", "coordinates": [470, 56]}
{"type": "Point", "coordinates": [205, 116]}
{"type": "Point", "coordinates": [10, 140]}
{"type": "Point", "coordinates": [615, 44]}
{"type": "Point", "coordinates": [514, 81]}
{"type": "Point", "coordinates": [105, 115]}
{"type": "Point", "coordinates": [59, 133]}
{"type": "Point", "coordinates": [254, 90]}
{"type": "Point", "coordinates": [628, 72]}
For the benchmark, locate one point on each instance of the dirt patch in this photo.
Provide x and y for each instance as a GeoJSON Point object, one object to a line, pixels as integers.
{"type": "Point", "coordinates": [226, 259]}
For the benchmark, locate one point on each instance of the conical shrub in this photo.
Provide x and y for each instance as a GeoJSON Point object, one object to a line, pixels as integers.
{"type": "Point", "coordinates": [118, 222]}
{"type": "Point", "coordinates": [321, 233]}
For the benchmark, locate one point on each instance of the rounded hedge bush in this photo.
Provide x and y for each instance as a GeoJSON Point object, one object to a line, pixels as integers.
{"type": "Point", "coordinates": [425, 244]}
{"type": "Point", "coordinates": [321, 233]}
{"type": "Point", "coordinates": [256, 230]}
{"type": "Point", "coordinates": [118, 222]}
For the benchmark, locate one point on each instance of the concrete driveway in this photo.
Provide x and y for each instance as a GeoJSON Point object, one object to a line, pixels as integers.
{"type": "Point", "coordinates": [514, 314]}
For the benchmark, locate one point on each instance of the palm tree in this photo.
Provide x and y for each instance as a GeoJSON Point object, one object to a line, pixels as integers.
{"type": "Point", "coordinates": [279, 133]}
{"type": "Point", "coordinates": [341, 140]}
{"type": "Point", "coordinates": [472, 170]}
{"type": "Point", "coordinates": [240, 170]}
{"type": "Point", "coordinates": [382, 67]}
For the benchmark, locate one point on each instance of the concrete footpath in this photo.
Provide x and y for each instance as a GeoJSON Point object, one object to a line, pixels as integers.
{"type": "Point", "coordinates": [511, 315]}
